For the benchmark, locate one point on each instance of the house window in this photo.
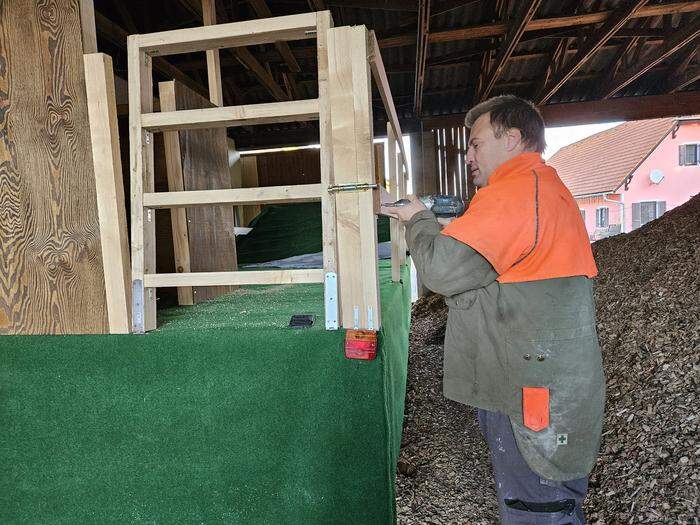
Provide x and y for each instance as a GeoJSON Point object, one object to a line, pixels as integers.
{"type": "Point", "coordinates": [602, 217]}
{"type": "Point", "coordinates": [688, 154]}
{"type": "Point", "coordinates": [583, 215]}
{"type": "Point", "coordinates": [643, 212]}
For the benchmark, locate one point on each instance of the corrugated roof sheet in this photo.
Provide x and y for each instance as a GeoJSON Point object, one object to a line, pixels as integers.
{"type": "Point", "coordinates": [600, 163]}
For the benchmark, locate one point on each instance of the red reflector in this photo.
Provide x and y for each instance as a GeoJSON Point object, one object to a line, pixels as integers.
{"type": "Point", "coordinates": [361, 344]}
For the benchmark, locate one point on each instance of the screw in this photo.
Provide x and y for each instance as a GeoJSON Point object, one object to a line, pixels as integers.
{"type": "Point", "coordinates": [540, 358]}
{"type": "Point", "coordinates": [526, 357]}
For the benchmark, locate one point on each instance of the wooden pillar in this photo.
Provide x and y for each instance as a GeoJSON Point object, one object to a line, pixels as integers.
{"type": "Point", "coordinates": [349, 87]}
{"type": "Point", "coordinates": [216, 95]}
{"type": "Point", "coordinates": [429, 162]}
{"type": "Point", "coordinates": [417, 164]}
{"type": "Point", "coordinates": [109, 186]}
{"type": "Point", "coordinates": [394, 225]}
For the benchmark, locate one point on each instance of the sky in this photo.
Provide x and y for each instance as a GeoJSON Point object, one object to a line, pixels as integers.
{"type": "Point", "coordinates": [563, 136]}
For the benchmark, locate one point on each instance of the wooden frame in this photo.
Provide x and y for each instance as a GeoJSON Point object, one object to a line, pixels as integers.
{"type": "Point", "coordinates": [143, 122]}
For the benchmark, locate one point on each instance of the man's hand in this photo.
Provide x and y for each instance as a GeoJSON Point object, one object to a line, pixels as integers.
{"type": "Point", "coordinates": [406, 211]}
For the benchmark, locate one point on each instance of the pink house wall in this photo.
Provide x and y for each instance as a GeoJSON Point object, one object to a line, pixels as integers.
{"type": "Point", "coordinates": [680, 183]}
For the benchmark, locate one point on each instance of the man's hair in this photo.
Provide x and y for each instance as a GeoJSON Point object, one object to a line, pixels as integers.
{"type": "Point", "coordinates": [511, 112]}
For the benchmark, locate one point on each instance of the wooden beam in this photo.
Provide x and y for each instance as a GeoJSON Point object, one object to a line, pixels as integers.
{"type": "Point", "coordinates": [394, 225]}
{"type": "Point", "coordinates": [263, 11]}
{"type": "Point", "coordinates": [238, 278]}
{"type": "Point", "coordinates": [233, 34]}
{"type": "Point", "coordinates": [350, 88]}
{"type": "Point", "coordinates": [234, 197]}
{"type": "Point", "coordinates": [683, 37]}
{"type": "Point", "coordinates": [596, 111]}
{"type": "Point", "coordinates": [216, 94]}
{"type": "Point", "coordinates": [525, 13]}
{"type": "Point", "coordinates": [680, 76]}
{"type": "Point", "coordinates": [382, 5]}
{"type": "Point", "coordinates": [688, 77]}
{"type": "Point", "coordinates": [109, 185]}
{"type": "Point", "coordinates": [379, 74]}
{"type": "Point", "coordinates": [263, 75]}
{"type": "Point", "coordinates": [176, 182]}
{"type": "Point", "coordinates": [421, 54]}
{"type": "Point", "coordinates": [591, 46]}
{"type": "Point", "coordinates": [500, 28]}
{"type": "Point", "coordinates": [87, 26]}
{"type": "Point", "coordinates": [114, 34]}
{"type": "Point", "coordinates": [230, 116]}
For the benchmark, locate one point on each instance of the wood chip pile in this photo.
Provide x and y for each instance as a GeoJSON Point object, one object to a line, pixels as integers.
{"type": "Point", "coordinates": [648, 305]}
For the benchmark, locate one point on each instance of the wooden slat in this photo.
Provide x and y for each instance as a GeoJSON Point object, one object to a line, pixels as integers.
{"type": "Point", "coordinates": [524, 14]}
{"type": "Point", "coordinates": [382, 82]}
{"type": "Point", "coordinates": [87, 26]}
{"type": "Point", "coordinates": [234, 34]}
{"type": "Point", "coordinates": [228, 116]}
{"type": "Point", "coordinates": [682, 37]}
{"type": "Point", "coordinates": [421, 55]}
{"type": "Point", "coordinates": [109, 185]}
{"type": "Point", "coordinates": [143, 235]}
{"type": "Point", "coordinates": [500, 28]}
{"type": "Point", "coordinates": [350, 97]}
{"type": "Point", "coordinates": [324, 22]}
{"type": "Point", "coordinates": [591, 46]}
{"type": "Point", "coordinates": [216, 94]}
{"type": "Point", "coordinates": [241, 278]}
{"type": "Point", "coordinates": [178, 216]}
{"type": "Point", "coordinates": [234, 197]}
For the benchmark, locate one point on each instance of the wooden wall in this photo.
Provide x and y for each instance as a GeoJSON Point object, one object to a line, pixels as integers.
{"type": "Point", "coordinates": [282, 168]}
{"type": "Point", "coordinates": [452, 174]}
{"type": "Point", "coordinates": [51, 278]}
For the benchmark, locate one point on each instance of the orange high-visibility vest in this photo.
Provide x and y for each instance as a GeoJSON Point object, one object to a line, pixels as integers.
{"type": "Point", "coordinates": [526, 223]}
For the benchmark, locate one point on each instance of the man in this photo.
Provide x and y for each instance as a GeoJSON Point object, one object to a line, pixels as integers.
{"type": "Point", "coordinates": [521, 342]}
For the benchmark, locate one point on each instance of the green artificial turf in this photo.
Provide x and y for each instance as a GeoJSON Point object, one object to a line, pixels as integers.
{"type": "Point", "coordinates": [286, 230]}
{"type": "Point", "coordinates": [222, 415]}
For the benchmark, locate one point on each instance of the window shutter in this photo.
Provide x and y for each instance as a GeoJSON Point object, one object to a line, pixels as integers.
{"type": "Point", "coordinates": [660, 208]}
{"type": "Point", "coordinates": [636, 215]}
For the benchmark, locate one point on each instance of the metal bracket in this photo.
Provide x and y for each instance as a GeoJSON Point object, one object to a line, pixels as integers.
{"type": "Point", "coordinates": [331, 300]}
{"type": "Point", "coordinates": [370, 318]}
{"type": "Point", "coordinates": [353, 186]}
{"type": "Point", "coordinates": [137, 305]}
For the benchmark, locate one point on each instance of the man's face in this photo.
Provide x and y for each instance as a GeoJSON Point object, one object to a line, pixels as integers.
{"type": "Point", "coordinates": [487, 152]}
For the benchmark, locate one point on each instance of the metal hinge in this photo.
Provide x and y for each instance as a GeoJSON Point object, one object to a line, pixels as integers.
{"type": "Point", "coordinates": [354, 186]}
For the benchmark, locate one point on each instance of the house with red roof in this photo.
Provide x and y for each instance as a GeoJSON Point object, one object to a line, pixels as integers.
{"type": "Point", "coordinates": [631, 174]}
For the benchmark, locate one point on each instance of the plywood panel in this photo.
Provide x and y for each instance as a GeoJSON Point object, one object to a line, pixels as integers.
{"type": "Point", "coordinates": [205, 167]}
{"type": "Point", "coordinates": [285, 168]}
{"type": "Point", "coordinates": [51, 278]}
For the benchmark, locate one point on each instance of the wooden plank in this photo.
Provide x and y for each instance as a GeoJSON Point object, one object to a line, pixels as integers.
{"type": "Point", "coordinates": [87, 26]}
{"type": "Point", "coordinates": [178, 216]}
{"type": "Point", "coordinates": [204, 157]}
{"type": "Point", "coordinates": [249, 176]}
{"type": "Point", "coordinates": [216, 94]}
{"type": "Point", "coordinates": [233, 34]}
{"type": "Point", "coordinates": [500, 28]}
{"type": "Point", "coordinates": [421, 55]}
{"type": "Point", "coordinates": [394, 225]}
{"type": "Point", "coordinates": [350, 97]}
{"type": "Point", "coordinates": [678, 40]}
{"type": "Point", "coordinates": [402, 176]}
{"type": "Point", "coordinates": [109, 186]}
{"type": "Point", "coordinates": [382, 82]}
{"type": "Point", "coordinates": [430, 171]}
{"type": "Point", "coordinates": [143, 235]}
{"type": "Point", "coordinates": [244, 278]}
{"type": "Point", "coordinates": [591, 46]}
{"type": "Point", "coordinates": [229, 116]}
{"type": "Point", "coordinates": [324, 22]}
{"type": "Point", "coordinates": [51, 271]}
{"type": "Point", "coordinates": [234, 197]}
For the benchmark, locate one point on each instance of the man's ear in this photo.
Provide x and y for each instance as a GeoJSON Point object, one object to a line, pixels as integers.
{"type": "Point", "coordinates": [513, 139]}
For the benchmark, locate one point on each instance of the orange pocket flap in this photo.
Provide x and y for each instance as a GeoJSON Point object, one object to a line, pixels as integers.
{"type": "Point", "coordinates": [536, 407]}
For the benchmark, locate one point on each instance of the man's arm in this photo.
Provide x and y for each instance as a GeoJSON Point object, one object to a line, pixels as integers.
{"type": "Point", "coordinates": [445, 265]}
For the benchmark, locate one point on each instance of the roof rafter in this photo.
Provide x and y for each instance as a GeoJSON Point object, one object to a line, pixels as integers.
{"type": "Point", "coordinates": [263, 11]}
{"type": "Point", "coordinates": [522, 18]}
{"type": "Point", "coordinates": [421, 54]}
{"type": "Point", "coordinates": [591, 46]}
{"type": "Point", "coordinates": [680, 39]}
{"type": "Point", "coordinates": [681, 76]}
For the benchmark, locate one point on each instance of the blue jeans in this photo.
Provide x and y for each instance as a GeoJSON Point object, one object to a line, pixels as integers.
{"type": "Point", "coordinates": [524, 498]}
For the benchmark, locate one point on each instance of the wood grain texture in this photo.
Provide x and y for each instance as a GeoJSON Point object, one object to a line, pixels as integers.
{"type": "Point", "coordinates": [205, 167]}
{"type": "Point", "coordinates": [285, 168]}
{"type": "Point", "coordinates": [51, 279]}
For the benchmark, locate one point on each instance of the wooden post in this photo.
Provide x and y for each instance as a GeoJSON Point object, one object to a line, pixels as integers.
{"type": "Point", "coordinates": [143, 232]}
{"type": "Point", "coordinates": [402, 193]}
{"type": "Point", "coordinates": [88, 28]}
{"type": "Point", "coordinates": [324, 23]}
{"type": "Point", "coordinates": [430, 172]}
{"type": "Point", "coordinates": [349, 88]}
{"type": "Point", "coordinates": [109, 186]}
{"type": "Point", "coordinates": [394, 225]}
{"type": "Point", "coordinates": [178, 216]}
{"type": "Point", "coordinates": [213, 62]}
